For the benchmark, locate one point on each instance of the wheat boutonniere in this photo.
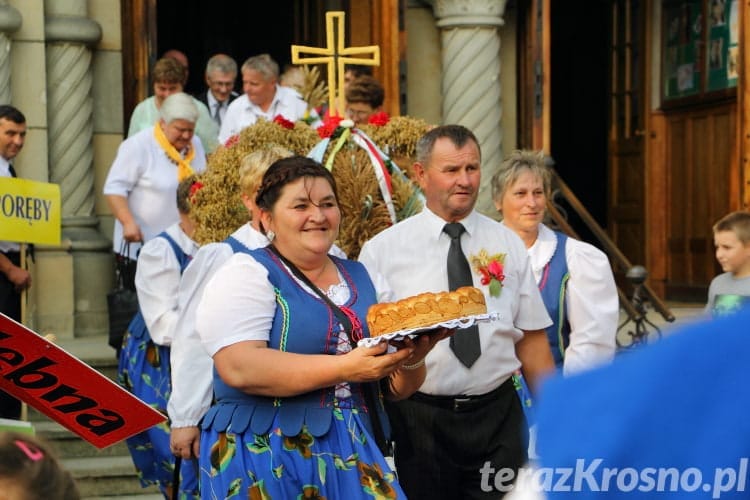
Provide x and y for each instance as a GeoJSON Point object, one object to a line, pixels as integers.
{"type": "Point", "coordinates": [490, 267]}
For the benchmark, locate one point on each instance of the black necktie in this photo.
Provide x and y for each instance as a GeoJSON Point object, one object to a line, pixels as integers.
{"type": "Point", "coordinates": [12, 170]}
{"type": "Point", "coordinates": [217, 113]}
{"type": "Point", "coordinates": [465, 342]}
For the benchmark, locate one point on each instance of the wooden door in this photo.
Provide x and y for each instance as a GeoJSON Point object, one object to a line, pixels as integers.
{"type": "Point", "coordinates": [701, 152]}
{"type": "Point", "coordinates": [626, 129]}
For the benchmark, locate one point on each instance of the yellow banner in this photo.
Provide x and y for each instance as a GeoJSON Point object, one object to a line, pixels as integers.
{"type": "Point", "coordinates": [29, 211]}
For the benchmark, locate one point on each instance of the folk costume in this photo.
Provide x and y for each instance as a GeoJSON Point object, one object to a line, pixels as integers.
{"type": "Point", "coordinates": [192, 367]}
{"type": "Point", "coordinates": [318, 444]}
{"type": "Point", "coordinates": [147, 174]}
{"type": "Point", "coordinates": [578, 289]}
{"type": "Point", "coordinates": [144, 366]}
{"type": "Point", "coordinates": [146, 114]}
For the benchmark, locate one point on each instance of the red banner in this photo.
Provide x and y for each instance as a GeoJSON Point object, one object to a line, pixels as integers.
{"type": "Point", "coordinates": [67, 390]}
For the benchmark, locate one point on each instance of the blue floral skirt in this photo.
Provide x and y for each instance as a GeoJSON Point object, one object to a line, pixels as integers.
{"type": "Point", "coordinates": [144, 370]}
{"type": "Point", "coordinates": [344, 463]}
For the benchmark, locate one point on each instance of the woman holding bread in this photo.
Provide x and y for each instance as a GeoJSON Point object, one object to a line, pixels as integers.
{"type": "Point", "coordinates": [299, 410]}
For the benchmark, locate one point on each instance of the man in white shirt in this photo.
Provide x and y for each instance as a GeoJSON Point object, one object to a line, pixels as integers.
{"type": "Point", "coordinates": [467, 415]}
{"type": "Point", "coordinates": [13, 278]}
{"type": "Point", "coordinates": [221, 72]}
{"type": "Point", "coordinates": [263, 98]}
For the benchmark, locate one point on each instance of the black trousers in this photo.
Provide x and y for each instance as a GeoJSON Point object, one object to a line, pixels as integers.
{"type": "Point", "coordinates": [452, 447]}
{"type": "Point", "coordinates": [10, 305]}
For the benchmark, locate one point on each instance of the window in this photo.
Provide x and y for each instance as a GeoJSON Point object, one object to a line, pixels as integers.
{"type": "Point", "coordinates": [699, 50]}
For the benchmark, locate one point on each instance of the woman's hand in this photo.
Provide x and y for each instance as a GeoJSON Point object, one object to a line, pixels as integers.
{"type": "Point", "coordinates": [131, 232]}
{"type": "Point", "coordinates": [121, 210]}
{"type": "Point", "coordinates": [185, 442]}
{"type": "Point", "coordinates": [367, 364]}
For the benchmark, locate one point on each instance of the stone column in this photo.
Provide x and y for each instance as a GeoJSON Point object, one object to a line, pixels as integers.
{"type": "Point", "coordinates": [10, 21]}
{"type": "Point", "coordinates": [70, 36]}
{"type": "Point", "coordinates": [471, 78]}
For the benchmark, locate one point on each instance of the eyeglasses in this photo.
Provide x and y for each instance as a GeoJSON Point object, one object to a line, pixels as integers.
{"type": "Point", "coordinates": [215, 83]}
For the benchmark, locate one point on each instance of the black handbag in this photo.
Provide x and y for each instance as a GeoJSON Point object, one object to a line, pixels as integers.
{"type": "Point", "coordinates": [122, 302]}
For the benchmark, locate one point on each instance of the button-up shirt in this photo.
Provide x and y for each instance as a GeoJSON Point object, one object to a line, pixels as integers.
{"type": "Point", "coordinates": [412, 257]}
{"type": "Point", "coordinates": [243, 113]}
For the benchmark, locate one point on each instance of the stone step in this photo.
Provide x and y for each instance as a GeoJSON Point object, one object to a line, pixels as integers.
{"type": "Point", "coordinates": [94, 351]}
{"type": "Point", "coordinates": [69, 445]}
{"type": "Point", "coordinates": [99, 474]}
{"type": "Point", "coordinates": [106, 477]}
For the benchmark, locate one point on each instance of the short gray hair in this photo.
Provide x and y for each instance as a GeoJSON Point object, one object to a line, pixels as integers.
{"type": "Point", "coordinates": [221, 63]}
{"type": "Point", "coordinates": [178, 106]}
{"type": "Point", "coordinates": [264, 65]}
{"type": "Point", "coordinates": [514, 165]}
{"type": "Point", "coordinates": [457, 134]}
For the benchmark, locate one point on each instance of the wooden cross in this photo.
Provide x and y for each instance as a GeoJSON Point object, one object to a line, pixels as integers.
{"type": "Point", "coordinates": [336, 56]}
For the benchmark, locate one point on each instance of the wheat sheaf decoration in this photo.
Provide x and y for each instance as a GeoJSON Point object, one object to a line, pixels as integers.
{"type": "Point", "coordinates": [217, 207]}
{"type": "Point", "coordinates": [374, 192]}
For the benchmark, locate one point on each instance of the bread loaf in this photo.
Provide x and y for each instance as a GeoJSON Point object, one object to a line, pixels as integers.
{"type": "Point", "coordinates": [424, 309]}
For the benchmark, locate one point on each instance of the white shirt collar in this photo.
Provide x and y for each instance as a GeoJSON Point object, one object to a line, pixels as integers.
{"type": "Point", "coordinates": [4, 167]}
{"type": "Point", "coordinates": [271, 109]}
{"type": "Point", "coordinates": [213, 102]}
{"type": "Point", "coordinates": [541, 252]}
{"type": "Point", "coordinates": [437, 223]}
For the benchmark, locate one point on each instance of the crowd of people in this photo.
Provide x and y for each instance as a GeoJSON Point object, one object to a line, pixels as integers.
{"type": "Point", "coordinates": [250, 345]}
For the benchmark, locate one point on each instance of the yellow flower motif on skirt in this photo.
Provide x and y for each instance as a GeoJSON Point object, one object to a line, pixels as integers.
{"type": "Point", "coordinates": [310, 493]}
{"type": "Point", "coordinates": [257, 492]}
{"type": "Point", "coordinates": [301, 442]}
{"type": "Point", "coordinates": [222, 452]}
{"type": "Point", "coordinates": [374, 482]}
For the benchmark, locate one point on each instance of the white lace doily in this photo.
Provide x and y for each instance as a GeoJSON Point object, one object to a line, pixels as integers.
{"type": "Point", "coordinates": [459, 323]}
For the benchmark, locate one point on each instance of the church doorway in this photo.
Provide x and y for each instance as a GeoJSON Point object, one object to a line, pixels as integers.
{"type": "Point", "coordinates": [239, 29]}
{"type": "Point", "coordinates": [202, 29]}
{"type": "Point", "coordinates": [578, 105]}
{"type": "Point", "coordinates": [244, 29]}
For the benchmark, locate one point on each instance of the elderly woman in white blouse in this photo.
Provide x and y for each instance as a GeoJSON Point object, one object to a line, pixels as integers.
{"type": "Point", "coordinates": [142, 181]}
{"type": "Point", "coordinates": [574, 278]}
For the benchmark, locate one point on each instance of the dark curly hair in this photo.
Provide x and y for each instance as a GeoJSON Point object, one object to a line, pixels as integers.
{"type": "Point", "coordinates": [286, 171]}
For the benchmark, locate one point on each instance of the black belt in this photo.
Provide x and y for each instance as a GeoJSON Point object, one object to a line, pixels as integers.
{"type": "Point", "coordinates": [463, 403]}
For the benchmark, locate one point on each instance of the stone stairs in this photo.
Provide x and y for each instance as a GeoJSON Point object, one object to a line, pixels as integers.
{"type": "Point", "coordinates": [100, 474]}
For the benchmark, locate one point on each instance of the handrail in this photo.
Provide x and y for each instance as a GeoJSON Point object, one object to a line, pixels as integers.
{"type": "Point", "coordinates": [609, 246]}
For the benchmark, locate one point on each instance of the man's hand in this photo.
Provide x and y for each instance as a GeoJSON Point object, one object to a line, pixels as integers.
{"type": "Point", "coordinates": [20, 277]}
